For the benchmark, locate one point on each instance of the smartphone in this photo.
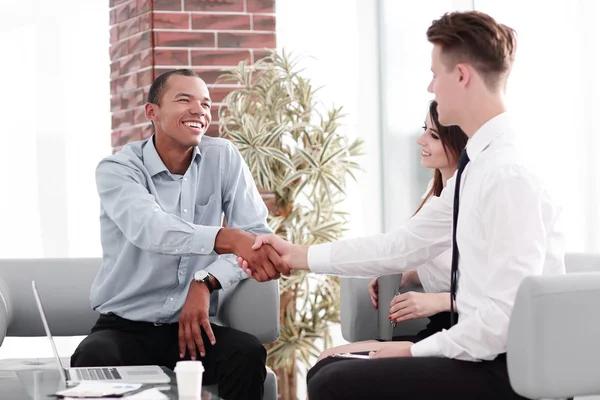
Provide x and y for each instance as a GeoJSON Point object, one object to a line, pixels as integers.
{"type": "Point", "coordinates": [351, 355]}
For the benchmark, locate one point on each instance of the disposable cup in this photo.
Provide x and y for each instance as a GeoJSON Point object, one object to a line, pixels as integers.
{"type": "Point", "coordinates": [189, 379]}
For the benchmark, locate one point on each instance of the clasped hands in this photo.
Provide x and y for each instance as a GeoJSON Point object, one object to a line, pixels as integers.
{"type": "Point", "coordinates": [266, 257]}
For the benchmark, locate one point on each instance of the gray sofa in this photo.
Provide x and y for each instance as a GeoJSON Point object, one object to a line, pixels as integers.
{"type": "Point", "coordinates": [64, 286]}
{"type": "Point", "coordinates": [553, 347]}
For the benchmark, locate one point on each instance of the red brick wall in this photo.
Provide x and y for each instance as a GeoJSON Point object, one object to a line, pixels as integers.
{"type": "Point", "coordinates": [149, 37]}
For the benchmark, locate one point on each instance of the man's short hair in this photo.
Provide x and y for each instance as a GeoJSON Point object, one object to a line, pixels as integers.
{"type": "Point", "coordinates": [475, 38]}
{"type": "Point", "coordinates": [160, 84]}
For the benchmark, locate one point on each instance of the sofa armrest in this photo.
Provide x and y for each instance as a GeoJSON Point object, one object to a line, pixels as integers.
{"type": "Point", "coordinates": [64, 287]}
{"type": "Point", "coordinates": [251, 307]}
{"type": "Point", "coordinates": [5, 310]}
{"type": "Point", "coordinates": [553, 344]}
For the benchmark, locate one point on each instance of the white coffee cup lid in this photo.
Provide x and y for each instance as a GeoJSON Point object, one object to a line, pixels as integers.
{"type": "Point", "coordinates": [189, 366]}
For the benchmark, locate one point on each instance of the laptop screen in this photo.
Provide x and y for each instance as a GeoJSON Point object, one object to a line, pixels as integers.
{"type": "Point", "coordinates": [38, 301]}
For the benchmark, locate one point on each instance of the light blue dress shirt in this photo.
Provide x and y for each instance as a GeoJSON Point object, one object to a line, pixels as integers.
{"type": "Point", "coordinates": [158, 228]}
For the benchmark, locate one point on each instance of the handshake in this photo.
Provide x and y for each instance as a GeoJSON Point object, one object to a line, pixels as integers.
{"type": "Point", "coordinates": [264, 257]}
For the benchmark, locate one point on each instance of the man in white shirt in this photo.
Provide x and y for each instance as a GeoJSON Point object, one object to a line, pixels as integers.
{"type": "Point", "coordinates": [507, 229]}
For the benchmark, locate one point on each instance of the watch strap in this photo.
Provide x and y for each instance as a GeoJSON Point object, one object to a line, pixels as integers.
{"type": "Point", "coordinates": [208, 283]}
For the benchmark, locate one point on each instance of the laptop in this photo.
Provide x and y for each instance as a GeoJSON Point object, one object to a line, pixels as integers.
{"type": "Point", "coordinates": [133, 374]}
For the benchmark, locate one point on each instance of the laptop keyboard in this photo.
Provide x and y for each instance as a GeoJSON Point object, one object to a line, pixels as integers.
{"type": "Point", "coordinates": [97, 374]}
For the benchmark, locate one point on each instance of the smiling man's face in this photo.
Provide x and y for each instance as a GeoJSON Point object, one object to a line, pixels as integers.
{"type": "Point", "coordinates": [183, 114]}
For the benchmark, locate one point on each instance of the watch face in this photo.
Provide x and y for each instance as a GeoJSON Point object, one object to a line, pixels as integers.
{"type": "Point", "coordinates": [200, 275]}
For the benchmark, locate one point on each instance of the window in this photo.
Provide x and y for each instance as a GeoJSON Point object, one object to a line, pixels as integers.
{"type": "Point", "coordinates": [405, 73]}
{"type": "Point", "coordinates": [56, 127]}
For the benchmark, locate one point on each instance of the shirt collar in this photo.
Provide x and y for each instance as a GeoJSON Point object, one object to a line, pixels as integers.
{"type": "Point", "coordinates": [152, 160]}
{"type": "Point", "coordinates": [491, 130]}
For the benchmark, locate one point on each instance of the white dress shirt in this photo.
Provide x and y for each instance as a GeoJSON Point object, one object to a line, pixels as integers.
{"type": "Point", "coordinates": [508, 229]}
{"type": "Point", "coordinates": [435, 274]}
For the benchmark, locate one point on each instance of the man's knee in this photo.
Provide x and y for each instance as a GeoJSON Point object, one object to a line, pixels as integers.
{"type": "Point", "coordinates": [242, 371]}
{"type": "Point", "coordinates": [97, 349]}
{"type": "Point", "coordinates": [250, 350]}
{"type": "Point", "coordinates": [242, 352]}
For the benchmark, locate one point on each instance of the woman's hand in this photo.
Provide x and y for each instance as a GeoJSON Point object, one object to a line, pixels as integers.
{"type": "Point", "coordinates": [411, 305]}
{"type": "Point", "coordinates": [373, 291]}
{"type": "Point", "coordinates": [410, 278]}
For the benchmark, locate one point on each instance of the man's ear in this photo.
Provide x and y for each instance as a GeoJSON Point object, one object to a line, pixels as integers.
{"type": "Point", "coordinates": [150, 110]}
{"type": "Point", "coordinates": [464, 73]}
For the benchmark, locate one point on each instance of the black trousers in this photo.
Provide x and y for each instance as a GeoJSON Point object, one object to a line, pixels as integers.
{"type": "Point", "coordinates": [407, 378]}
{"type": "Point", "coordinates": [236, 362]}
{"type": "Point", "coordinates": [437, 323]}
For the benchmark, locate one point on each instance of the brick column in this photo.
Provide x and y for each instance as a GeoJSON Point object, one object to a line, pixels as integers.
{"type": "Point", "coordinates": [149, 37]}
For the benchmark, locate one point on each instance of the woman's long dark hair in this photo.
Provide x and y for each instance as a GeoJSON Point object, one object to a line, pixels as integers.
{"type": "Point", "coordinates": [454, 141]}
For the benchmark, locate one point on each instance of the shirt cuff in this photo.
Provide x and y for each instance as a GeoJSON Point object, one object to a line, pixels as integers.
{"type": "Point", "coordinates": [319, 258]}
{"type": "Point", "coordinates": [204, 239]}
{"type": "Point", "coordinates": [428, 347]}
{"type": "Point", "coordinates": [226, 271]}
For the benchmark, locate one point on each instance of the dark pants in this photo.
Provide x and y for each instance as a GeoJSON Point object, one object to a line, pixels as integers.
{"type": "Point", "coordinates": [407, 378]}
{"type": "Point", "coordinates": [410, 378]}
{"type": "Point", "coordinates": [437, 323]}
{"type": "Point", "coordinates": [236, 362]}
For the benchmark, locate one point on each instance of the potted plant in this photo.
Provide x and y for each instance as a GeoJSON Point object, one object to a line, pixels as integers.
{"type": "Point", "coordinates": [300, 160]}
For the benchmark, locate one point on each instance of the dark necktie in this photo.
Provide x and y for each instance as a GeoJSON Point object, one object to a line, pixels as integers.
{"type": "Point", "coordinates": [462, 163]}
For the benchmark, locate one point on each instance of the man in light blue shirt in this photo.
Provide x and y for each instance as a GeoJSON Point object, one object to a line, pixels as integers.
{"type": "Point", "coordinates": [165, 253]}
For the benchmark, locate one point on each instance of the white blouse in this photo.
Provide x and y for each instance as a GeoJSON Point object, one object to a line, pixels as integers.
{"type": "Point", "coordinates": [435, 274]}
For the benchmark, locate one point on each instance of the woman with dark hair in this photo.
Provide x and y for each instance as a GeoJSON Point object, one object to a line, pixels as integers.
{"type": "Point", "coordinates": [440, 149]}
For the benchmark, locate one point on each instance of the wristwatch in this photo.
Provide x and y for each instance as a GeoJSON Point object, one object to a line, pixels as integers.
{"type": "Point", "coordinates": [203, 276]}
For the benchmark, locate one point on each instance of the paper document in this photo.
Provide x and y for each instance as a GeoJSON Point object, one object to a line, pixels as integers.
{"type": "Point", "coordinates": [149, 394]}
{"type": "Point", "coordinates": [95, 389]}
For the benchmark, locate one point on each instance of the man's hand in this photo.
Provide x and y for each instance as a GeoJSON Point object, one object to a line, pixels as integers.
{"type": "Point", "coordinates": [411, 305]}
{"type": "Point", "coordinates": [392, 349]}
{"type": "Point", "coordinates": [264, 263]}
{"type": "Point", "coordinates": [294, 256]}
{"type": "Point", "coordinates": [193, 315]}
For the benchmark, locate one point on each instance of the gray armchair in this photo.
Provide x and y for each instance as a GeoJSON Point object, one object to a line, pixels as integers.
{"type": "Point", "coordinates": [553, 347]}
{"type": "Point", "coordinates": [64, 285]}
